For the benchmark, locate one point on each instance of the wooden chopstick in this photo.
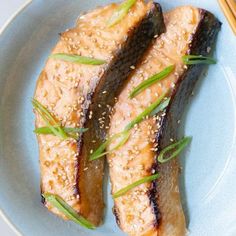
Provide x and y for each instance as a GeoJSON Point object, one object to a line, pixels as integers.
{"type": "Point", "coordinates": [229, 9]}
{"type": "Point", "coordinates": [232, 5]}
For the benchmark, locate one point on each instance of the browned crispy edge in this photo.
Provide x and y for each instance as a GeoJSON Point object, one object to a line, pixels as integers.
{"type": "Point", "coordinates": [203, 39]}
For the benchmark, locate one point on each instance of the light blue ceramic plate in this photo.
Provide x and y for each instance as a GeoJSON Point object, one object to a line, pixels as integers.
{"type": "Point", "coordinates": [209, 177]}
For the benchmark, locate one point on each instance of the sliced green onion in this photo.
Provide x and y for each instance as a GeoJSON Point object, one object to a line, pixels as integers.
{"type": "Point", "coordinates": [67, 210]}
{"type": "Point", "coordinates": [121, 12]}
{"type": "Point", "coordinates": [78, 59]}
{"type": "Point", "coordinates": [175, 148]}
{"type": "Point", "coordinates": [197, 59]}
{"type": "Point", "coordinates": [100, 151]}
{"type": "Point", "coordinates": [52, 124]}
{"type": "Point", "coordinates": [161, 107]}
{"type": "Point", "coordinates": [123, 191]}
{"type": "Point", "coordinates": [146, 112]}
{"type": "Point", "coordinates": [152, 80]}
{"type": "Point", "coordinates": [70, 131]}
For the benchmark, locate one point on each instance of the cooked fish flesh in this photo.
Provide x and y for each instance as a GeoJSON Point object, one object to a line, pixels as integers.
{"type": "Point", "coordinates": [80, 95]}
{"type": "Point", "coordinates": [155, 208]}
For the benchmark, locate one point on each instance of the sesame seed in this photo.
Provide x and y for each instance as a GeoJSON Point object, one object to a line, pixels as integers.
{"type": "Point", "coordinates": [64, 177]}
{"type": "Point", "coordinates": [47, 163]}
{"type": "Point", "coordinates": [90, 115]}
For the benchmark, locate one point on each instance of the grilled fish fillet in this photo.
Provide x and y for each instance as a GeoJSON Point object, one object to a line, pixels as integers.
{"type": "Point", "coordinates": [77, 95]}
{"type": "Point", "coordinates": [155, 208]}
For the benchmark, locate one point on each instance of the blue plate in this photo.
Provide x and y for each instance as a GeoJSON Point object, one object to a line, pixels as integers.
{"type": "Point", "coordinates": [208, 178]}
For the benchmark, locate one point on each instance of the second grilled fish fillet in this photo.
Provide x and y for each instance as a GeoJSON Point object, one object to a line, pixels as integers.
{"type": "Point", "coordinates": [154, 209]}
{"type": "Point", "coordinates": [78, 95]}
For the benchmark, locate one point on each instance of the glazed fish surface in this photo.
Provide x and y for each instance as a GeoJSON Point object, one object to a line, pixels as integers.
{"type": "Point", "coordinates": [79, 93]}
{"type": "Point", "coordinates": [154, 208]}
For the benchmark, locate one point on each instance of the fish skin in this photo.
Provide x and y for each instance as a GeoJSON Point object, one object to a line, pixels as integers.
{"type": "Point", "coordinates": [60, 86]}
{"type": "Point", "coordinates": [204, 38]}
{"type": "Point", "coordinates": [163, 214]}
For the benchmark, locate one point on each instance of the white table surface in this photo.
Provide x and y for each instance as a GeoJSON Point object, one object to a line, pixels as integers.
{"type": "Point", "coordinates": [7, 9]}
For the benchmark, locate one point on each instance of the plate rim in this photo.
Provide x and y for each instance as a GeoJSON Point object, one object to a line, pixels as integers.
{"type": "Point", "coordinates": [24, 5]}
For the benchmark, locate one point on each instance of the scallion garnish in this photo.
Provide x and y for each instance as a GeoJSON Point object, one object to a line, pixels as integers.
{"type": "Point", "coordinates": [67, 210]}
{"type": "Point", "coordinates": [146, 112]}
{"type": "Point", "coordinates": [161, 107]}
{"type": "Point", "coordinates": [78, 59]}
{"type": "Point", "coordinates": [121, 12]}
{"type": "Point", "coordinates": [174, 148]}
{"type": "Point", "coordinates": [152, 80]}
{"type": "Point", "coordinates": [72, 132]}
{"type": "Point", "coordinates": [197, 59]}
{"type": "Point", "coordinates": [51, 122]}
{"type": "Point", "coordinates": [125, 134]}
{"type": "Point", "coordinates": [100, 151]}
{"type": "Point", "coordinates": [123, 191]}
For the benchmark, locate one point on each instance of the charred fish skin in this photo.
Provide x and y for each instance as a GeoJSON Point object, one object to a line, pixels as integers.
{"type": "Point", "coordinates": [122, 66]}
{"type": "Point", "coordinates": [202, 43]}
{"type": "Point", "coordinates": [72, 93]}
{"type": "Point", "coordinates": [105, 95]}
{"type": "Point", "coordinates": [203, 40]}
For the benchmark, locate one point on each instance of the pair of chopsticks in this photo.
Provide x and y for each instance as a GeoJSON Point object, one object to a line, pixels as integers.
{"type": "Point", "coordinates": [229, 9]}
